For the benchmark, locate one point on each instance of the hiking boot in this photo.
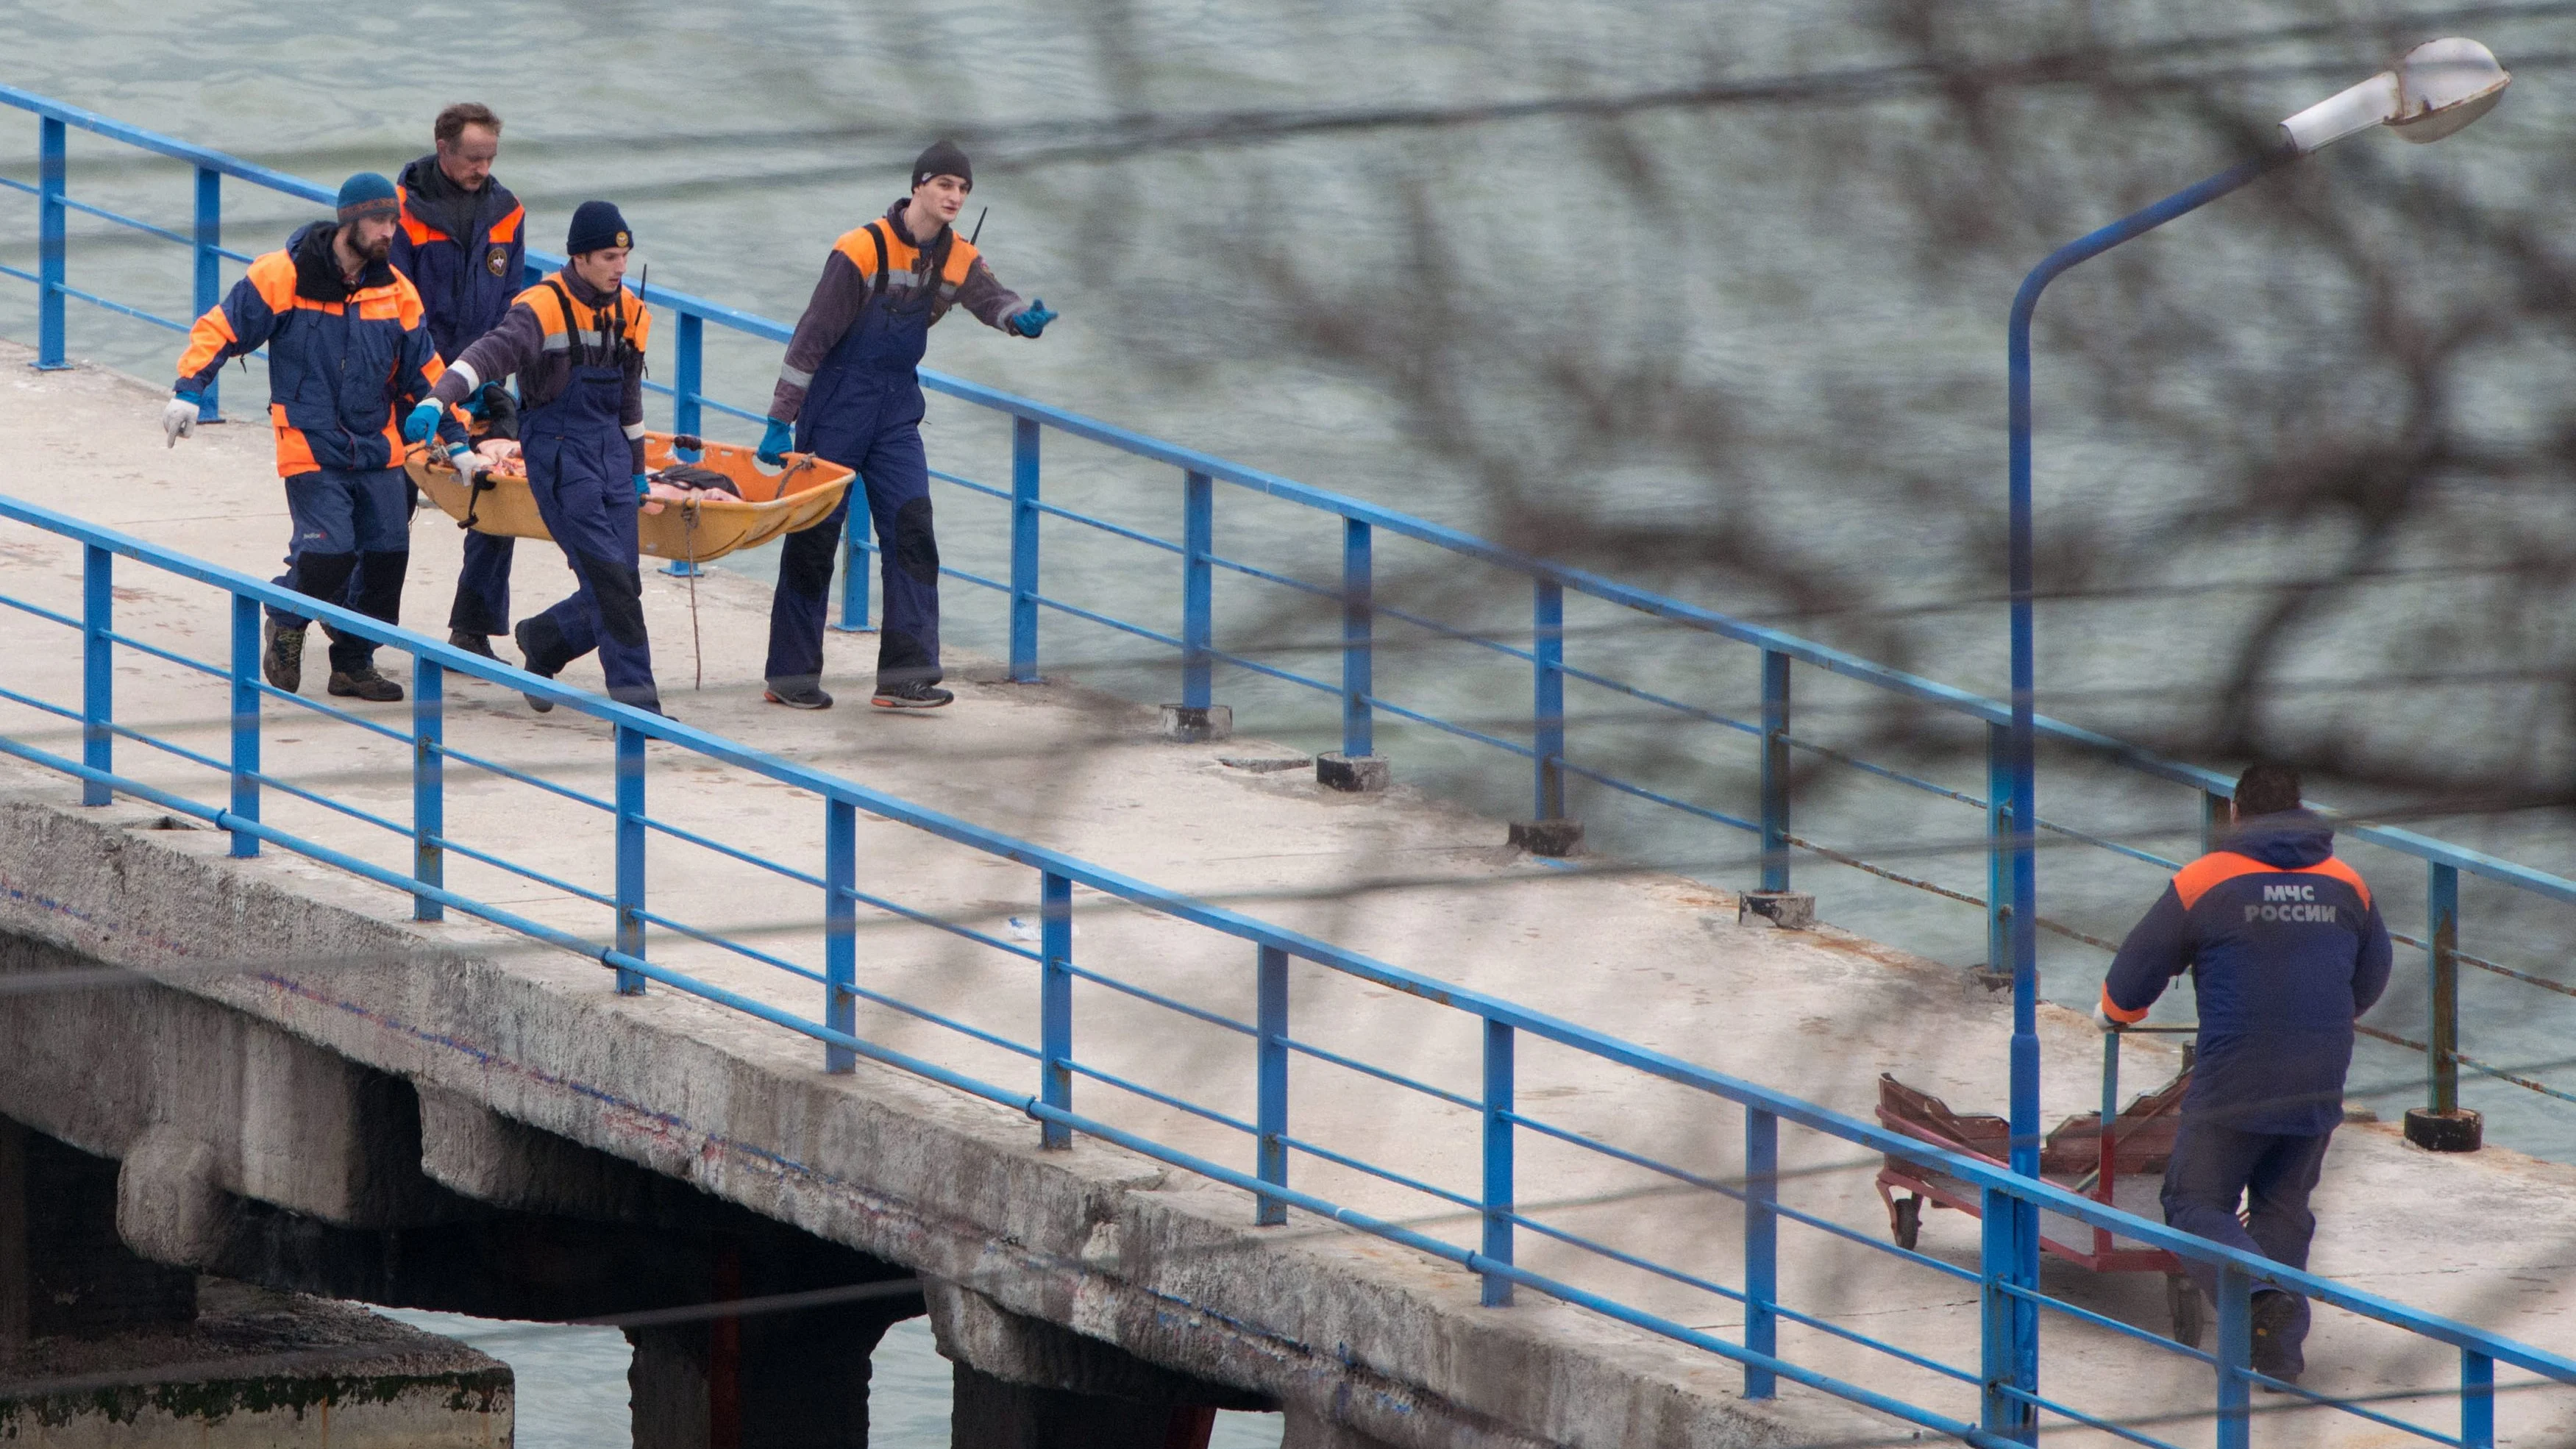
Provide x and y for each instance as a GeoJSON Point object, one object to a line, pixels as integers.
{"type": "Point", "coordinates": [2275, 1315]}
{"type": "Point", "coordinates": [519, 636]}
{"type": "Point", "coordinates": [365, 683]}
{"type": "Point", "coordinates": [909, 696]}
{"type": "Point", "coordinates": [283, 660]}
{"type": "Point", "coordinates": [797, 696]}
{"type": "Point", "coordinates": [472, 643]}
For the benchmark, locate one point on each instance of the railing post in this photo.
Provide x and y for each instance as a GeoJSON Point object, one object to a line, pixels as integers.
{"type": "Point", "coordinates": [245, 773]}
{"type": "Point", "coordinates": [855, 569]}
{"type": "Point", "coordinates": [428, 786]}
{"type": "Point", "coordinates": [2442, 1060]}
{"type": "Point", "coordinates": [630, 855]}
{"type": "Point", "coordinates": [689, 374]}
{"type": "Point", "coordinates": [2235, 1357]}
{"type": "Point", "coordinates": [1271, 1115]}
{"type": "Point", "coordinates": [1547, 697]}
{"type": "Point", "coordinates": [1775, 770]}
{"type": "Point", "coordinates": [1024, 549]}
{"type": "Point", "coordinates": [2216, 819]}
{"type": "Point", "coordinates": [1198, 590]}
{"type": "Point", "coordinates": [210, 277]}
{"type": "Point", "coordinates": [1761, 1248]}
{"type": "Point", "coordinates": [1359, 739]}
{"type": "Point", "coordinates": [1999, 832]}
{"type": "Point", "coordinates": [98, 670]}
{"type": "Point", "coordinates": [840, 929]}
{"type": "Point", "coordinates": [1055, 1004]}
{"type": "Point", "coordinates": [1498, 1161]}
{"type": "Point", "coordinates": [2477, 1400]}
{"type": "Point", "coordinates": [2009, 1359]}
{"type": "Point", "coordinates": [53, 154]}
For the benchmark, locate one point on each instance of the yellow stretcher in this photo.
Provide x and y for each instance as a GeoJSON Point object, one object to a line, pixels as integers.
{"type": "Point", "coordinates": [795, 497]}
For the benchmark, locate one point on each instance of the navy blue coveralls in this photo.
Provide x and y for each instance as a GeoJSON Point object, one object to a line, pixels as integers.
{"type": "Point", "coordinates": [581, 470]}
{"type": "Point", "coordinates": [863, 410]}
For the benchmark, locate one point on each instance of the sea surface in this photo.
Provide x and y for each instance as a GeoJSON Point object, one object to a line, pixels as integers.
{"type": "Point", "coordinates": [1251, 289]}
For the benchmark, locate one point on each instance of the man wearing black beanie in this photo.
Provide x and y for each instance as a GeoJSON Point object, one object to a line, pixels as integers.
{"type": "Point", "coordinates": [849, 392]}
{"type": "Point", "coordinates": [576, 341]}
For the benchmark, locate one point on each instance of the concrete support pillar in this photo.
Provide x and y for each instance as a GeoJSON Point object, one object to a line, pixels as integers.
{"type": "Point", "coordinates": [1311, 1431]}
{"type": "Point", "coordinates": [764, 1381]}
{"type": "Point", "coordinates": [63, 1270]}
{"type": "Point", "coordinates": [991, 1414]}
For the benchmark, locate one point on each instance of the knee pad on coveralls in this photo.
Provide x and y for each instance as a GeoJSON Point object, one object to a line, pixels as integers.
{"type": "Point", "coordinates": [619, 590]}
{"type": "Point", "coordinates": [323, 576]}
{"type": "Point", "coordinates": [916, 548]}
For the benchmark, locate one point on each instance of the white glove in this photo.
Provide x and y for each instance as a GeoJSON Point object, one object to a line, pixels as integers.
{"type": "Point", "coordinates": [467, 463]}
{"type": "Point", "coordinates": [2103, 1020]}
{"type": "Point", "coordinates": [178, 420]}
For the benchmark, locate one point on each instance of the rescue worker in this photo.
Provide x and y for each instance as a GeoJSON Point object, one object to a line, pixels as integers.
{"type": "Point", "coordinates": [848, 392]}
{"type": "Point", "coordinates": [348, 349]}
{"type": "Point", "coordinates": [2286, 948]}
{"type": "Point", "coordinates": [462, 247]}
{"type": "Point", "coordinates": [576, 343]}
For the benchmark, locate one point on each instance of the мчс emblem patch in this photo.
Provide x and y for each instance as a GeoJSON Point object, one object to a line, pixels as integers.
{"type": "Point", "coordinates": [499, 261]}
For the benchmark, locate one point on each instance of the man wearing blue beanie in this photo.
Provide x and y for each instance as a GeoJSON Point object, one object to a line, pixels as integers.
{"type": "Point", "coordinates": [576, 343]}
{"type": "Point", "coordinates": [348, 350]}
{"type": "Point", "coordinates": [848, 392]}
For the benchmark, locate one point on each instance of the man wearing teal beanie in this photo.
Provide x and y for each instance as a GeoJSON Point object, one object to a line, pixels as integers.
{"type": "Point", "coordinates": [348, 353]}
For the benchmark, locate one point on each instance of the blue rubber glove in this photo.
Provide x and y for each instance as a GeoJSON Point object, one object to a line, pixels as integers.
{"type": "Point", "coordinates": [775, 440]}
{"type": "Point", "coordinates": [423, 421]}
{"type": "Point", "coordinates": [643, 485]}
{"type": "Point", "coordinates": [1031, 322]}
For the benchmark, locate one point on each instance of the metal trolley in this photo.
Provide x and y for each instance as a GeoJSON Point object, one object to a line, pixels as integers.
{"type": "Point", "coordinates": [2122, 1168]}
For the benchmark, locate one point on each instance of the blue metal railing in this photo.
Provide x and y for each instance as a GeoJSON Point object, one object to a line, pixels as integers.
{"type": "Point", "coordinates": [1993, 1402]}
{"type": "Point", "coordinates": [2004, 1381]}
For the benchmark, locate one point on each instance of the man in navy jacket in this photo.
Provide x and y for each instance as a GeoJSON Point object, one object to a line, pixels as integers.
{"type": "Point", "coordinates": [463, 245]}
{"type": "Point", "coordinates": [2285, 948]}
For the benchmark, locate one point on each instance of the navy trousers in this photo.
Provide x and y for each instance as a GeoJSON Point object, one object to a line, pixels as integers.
{"type": "Point", "coordinates": [587, 498]}
{"type": "Point", "coordinates": [896, 474]}
{"type": "Point", "coordinates": [2213, 1169]}
{"type": "Point", "coordinates": [483, 586]}
{"type": "Point", "coordinates": [348, 524]}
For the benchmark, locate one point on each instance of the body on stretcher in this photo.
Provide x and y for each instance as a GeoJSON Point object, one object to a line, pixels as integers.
{"type": "Point", "coordinates": [745, 504]}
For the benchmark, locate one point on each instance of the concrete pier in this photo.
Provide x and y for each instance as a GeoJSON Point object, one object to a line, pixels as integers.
{"type": "Point", "coordinates": [103, 1348]}
{"type": "Point", "coordinates": [304, 1074]}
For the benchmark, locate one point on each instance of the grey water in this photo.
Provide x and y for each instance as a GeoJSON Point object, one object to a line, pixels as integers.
{"type": "Point", "coordinates": [741, 138]}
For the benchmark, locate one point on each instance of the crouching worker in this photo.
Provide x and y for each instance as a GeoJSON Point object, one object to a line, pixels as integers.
{"type": "Point", "coordinates": [347, 352]}
{"type": "Point", "coordinates": [576, 343]}
{"type": "Point", "coordinates": [2285, 948]}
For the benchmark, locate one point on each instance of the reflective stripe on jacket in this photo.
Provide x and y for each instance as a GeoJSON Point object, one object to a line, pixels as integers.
{"type": "Point", "coordinates": [345, 364]}
{"type": "Point", "coordinates": [2285, 948]}
{"type": "Point", "coordinates": [537, 342]}
{"type": "Point", "coordinates": [855, 276]}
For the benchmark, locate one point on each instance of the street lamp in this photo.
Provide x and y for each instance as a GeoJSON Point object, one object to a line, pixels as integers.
{"type": "Point", "coordinates": [2434, 90]}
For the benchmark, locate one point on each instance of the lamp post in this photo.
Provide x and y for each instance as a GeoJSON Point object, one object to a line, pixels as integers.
{"type": "Point", "coordinates": [2435, 89]}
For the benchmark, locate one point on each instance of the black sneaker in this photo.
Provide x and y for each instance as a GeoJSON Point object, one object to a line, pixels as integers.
{"type": "Point", "coordinates": [806, 696]}
{"type": "Point", "coordinates": [910, 696]}
{"type": "Point", "coordinates": [2275, 1314]}
{"type": "Point", "coordinates": [365, 683]}
{"type": "Point", "coordinates": [283, 660]}
{"type": "Point", "coordinates": [519, 636]}
{"type": "Point", "coordinates": [472, 643]}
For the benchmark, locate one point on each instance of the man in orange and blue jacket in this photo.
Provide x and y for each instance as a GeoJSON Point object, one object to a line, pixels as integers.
{"type": "Point", "coordinates": [348, 350]}
{"type": "Point", "coordinates": [2286, 949]}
